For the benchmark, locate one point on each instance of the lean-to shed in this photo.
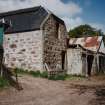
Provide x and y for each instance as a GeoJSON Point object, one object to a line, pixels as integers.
{"type": "Point", "coordinates": [86, 55]}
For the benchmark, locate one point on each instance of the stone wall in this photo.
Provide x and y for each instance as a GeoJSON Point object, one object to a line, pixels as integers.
{"type": "Point", "coordinates": [30, 50]}
{"type": "Point", "coordinates": [54, 44]}
{"type": "Point", "coordinates": [24, 50]}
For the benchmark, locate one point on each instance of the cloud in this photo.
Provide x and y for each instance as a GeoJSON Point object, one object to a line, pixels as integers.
{"type": "Point", "coordinates": [56, 6]}
{"type": "Point", "coordinates": [72, 22]}
{"type": "Point", "coordinates": [66, 11]}
{"type": "Point", "coordinates": [98, 26]}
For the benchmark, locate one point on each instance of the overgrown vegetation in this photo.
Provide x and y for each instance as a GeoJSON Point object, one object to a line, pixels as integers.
{"type": "Point", "coordinates": [20, 71]}
{"type": "Point", "coordinates": [3, 82]}
{"type": "Point", "coordinates": [67, 77]}
{"type": "Point", "coordinates": [44, 74]}
{"type": "Point", "coordinates": [74, 77]}
{"type": "Point", "coordinates": [57, 77]}
{"type": "Point", "coordinates": [35, 74]}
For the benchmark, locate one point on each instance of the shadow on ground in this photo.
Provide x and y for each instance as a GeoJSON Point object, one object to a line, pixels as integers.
{"type": "Point", "coordinates": [100, 97]}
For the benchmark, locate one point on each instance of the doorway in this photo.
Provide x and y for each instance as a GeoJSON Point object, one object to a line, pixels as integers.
{"type": "Point", "coordinates": [63, 59]}
{"type": "Point", "coordinates": [89, 64]}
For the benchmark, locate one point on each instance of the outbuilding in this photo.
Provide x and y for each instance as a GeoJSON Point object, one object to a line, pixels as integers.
{"type": "Point", "coordinates": [86, 56]}
{"type": "Point", "coordinates": [37, 38]}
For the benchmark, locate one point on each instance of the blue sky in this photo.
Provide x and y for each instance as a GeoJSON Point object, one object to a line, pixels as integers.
{"type": "Point", "coordinates": [93, 12]}
{"type": "Point", "coordinates": [73, 12]}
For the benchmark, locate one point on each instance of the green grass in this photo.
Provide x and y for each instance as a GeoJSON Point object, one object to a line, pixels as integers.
{"type": "Point", "coordinates": [67, 77]}
{"type": "Point", "coordinates": [35, 73]}
{"type": "Point", "coordinates": [57, 77]}
{"type": "Point", "coordinates": [74, 77]}
{"type": "Point", "coordinates": [20, 71]}
{"type": "Point", "coordinates": [44, 74]}
{"type": "Point", "coordinates": [3, 82]}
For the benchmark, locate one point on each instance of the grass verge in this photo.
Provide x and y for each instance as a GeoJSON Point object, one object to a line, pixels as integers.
{"type": "Point", "coordinates": [74, 77]}
{"type": "Point", "coordinates": [3, 82]}
{"type": "Point", "coordinates": [44, 74]}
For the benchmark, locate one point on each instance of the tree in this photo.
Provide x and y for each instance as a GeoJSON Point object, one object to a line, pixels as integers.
{"type": "Point", "coordinates": [84, 30]}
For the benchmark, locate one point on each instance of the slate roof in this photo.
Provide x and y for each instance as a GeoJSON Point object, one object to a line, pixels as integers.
{"type": "Point", "coordinates": [28, 19]}
{"type": "Point", "coordinates": [89, 43]}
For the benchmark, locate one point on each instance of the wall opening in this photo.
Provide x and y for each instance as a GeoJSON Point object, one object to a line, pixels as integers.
{"type": "Point", "coordinates": [63, 59]}
{"type": "Point", "coordinates": [89, 64]}
{"type": "Point", "coordinates": [57, 30]}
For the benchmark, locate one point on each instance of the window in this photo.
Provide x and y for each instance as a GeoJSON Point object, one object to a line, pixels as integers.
{"type": "Point", "coordinates": [57, 30]}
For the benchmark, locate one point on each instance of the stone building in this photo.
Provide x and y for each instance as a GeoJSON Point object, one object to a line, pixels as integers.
{"type": "Point", "coordinates": [86, 56]}
{"type": "Point", "coordinates": [37, 37]}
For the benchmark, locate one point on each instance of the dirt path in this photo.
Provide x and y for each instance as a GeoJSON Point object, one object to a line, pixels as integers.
{"type": "Point", "coordinates": [37, 91]}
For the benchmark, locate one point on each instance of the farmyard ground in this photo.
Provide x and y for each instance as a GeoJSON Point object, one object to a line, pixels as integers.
{"type": "Point", "coordinates": [38, 91]}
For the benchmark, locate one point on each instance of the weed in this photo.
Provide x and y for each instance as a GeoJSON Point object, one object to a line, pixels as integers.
{"type": "Point", "coordinates": [74, 77]}
{"type": "Point", "coordinates": [20, 71]}
{"type": "Point", "coordinates": [3, 82]}
{"type": "Point", "coordinates": [35, 73]}
{"type": "Point", "coordinates": [57, 77]}
{"type": "Point", "coordinates": [44, 74]}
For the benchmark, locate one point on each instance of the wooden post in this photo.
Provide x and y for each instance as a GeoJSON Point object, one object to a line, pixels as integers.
{"type": "Point", "coordinates": [1, 70]}
{"type": "Point", "coordinates": [47, 68]}
{"type": "Point", "coordinates": [98, 62]}
{"type": "Point", "coordinates": [86, 66]}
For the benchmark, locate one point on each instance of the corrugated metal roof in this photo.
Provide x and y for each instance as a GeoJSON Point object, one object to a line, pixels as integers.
{"type": "Point", "coordinates": [90, 43]}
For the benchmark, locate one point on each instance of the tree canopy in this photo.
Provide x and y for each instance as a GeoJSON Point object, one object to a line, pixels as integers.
{"type": "Point", "coordinates": [84, 30]}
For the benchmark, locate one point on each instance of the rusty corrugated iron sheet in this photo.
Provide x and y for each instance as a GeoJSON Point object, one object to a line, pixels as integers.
{"type": "Point", "coordinates": [90, 43]}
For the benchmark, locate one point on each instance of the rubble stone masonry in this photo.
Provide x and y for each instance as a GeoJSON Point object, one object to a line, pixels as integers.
{"type": "Point", "coordinates": [54, 43]}
{"type": "Point", "coordinates": [31, 50]}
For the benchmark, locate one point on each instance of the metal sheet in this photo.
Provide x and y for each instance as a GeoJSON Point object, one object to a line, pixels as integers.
{"type": "Point", "coordinates": [90, 43]}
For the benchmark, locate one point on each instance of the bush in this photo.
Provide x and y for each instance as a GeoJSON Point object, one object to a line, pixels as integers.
{"type": "Point", "coordinates": [20, 71]}
{"type": "Point", "coordinates": [60, 77]}
{"type": "Point", "coordinates": [35, 73]}
{"type": "Point", "coordinates": [66, 77]}
{"type": "Point", "coordinates": [74, 77]}
{"type": "Point", "coordinates": [3, 82]}
{"type": "Point", "coordinates": [57, 77]}
{"type": "Point", "coordinates": [44, 74]}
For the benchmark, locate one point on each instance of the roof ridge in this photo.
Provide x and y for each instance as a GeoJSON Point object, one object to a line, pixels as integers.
{"type": "Point", "coordinates": [51, 13]}
{"type": "Point", "coordinates": [18, 11]}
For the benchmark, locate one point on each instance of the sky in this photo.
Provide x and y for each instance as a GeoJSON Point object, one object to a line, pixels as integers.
{"type": "Point", "coordinates": [73, 12]}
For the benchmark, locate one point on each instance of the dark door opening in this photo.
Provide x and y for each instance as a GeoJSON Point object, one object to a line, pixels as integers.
{"type": "Point", "coordinates": [89, 63]}
{"type": "Point", "coordinates": [63, 59]}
